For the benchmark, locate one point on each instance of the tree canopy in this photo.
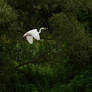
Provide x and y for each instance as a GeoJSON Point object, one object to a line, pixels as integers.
{"type": "Point", "coordinates": [60, 61]}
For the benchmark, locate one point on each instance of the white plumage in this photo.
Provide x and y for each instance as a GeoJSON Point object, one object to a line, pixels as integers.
{"type": "Point", "coordinates": [29, 39]}
{"type": "Point", "coordinates": [33, 34]}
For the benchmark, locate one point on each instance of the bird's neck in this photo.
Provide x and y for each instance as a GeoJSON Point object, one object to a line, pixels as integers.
{"type": "Point", "coordinates": [40, 30]}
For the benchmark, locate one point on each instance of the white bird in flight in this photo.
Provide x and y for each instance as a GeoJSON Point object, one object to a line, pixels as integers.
{"type": "Point", "coordinates": [33, 34]}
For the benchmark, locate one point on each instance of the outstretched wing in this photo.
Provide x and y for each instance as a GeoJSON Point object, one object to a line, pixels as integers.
{"type": "Point", "coordinates": [35, 34]}
{"type": "Point", "coordinates": [29, 39]}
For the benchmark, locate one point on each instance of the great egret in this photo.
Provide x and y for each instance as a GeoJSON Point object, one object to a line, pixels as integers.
{"type": "Point", "coordinates": [33, 34]}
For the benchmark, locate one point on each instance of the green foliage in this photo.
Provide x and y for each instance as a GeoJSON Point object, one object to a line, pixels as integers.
{"type": "Point", "coordinates": [73, 36]}
{"type": "Point", "coordinates": [7, 14]}
{"type": "Point", "coordinates": [60, 61]}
